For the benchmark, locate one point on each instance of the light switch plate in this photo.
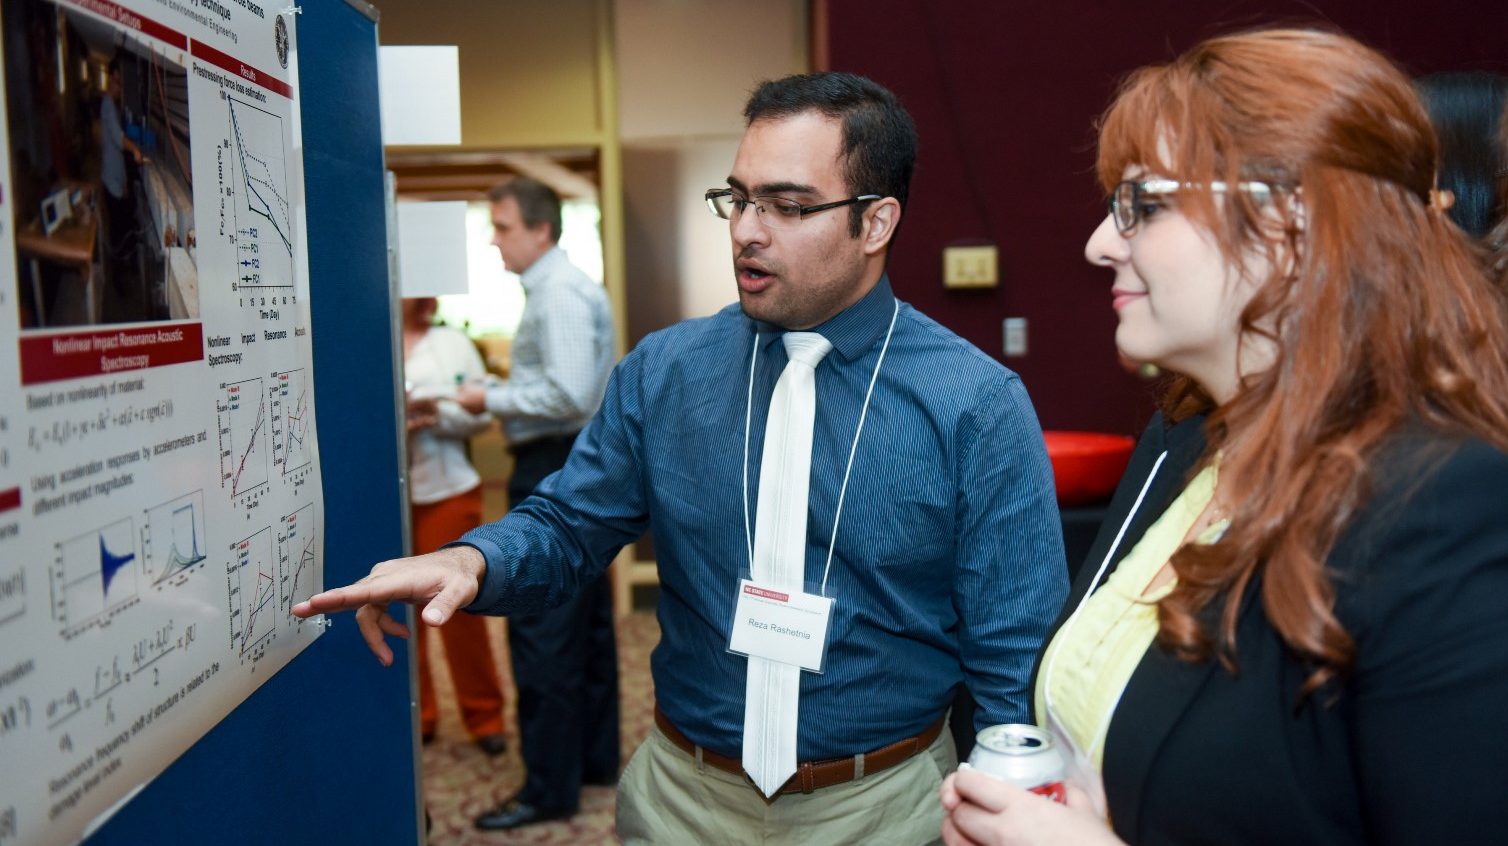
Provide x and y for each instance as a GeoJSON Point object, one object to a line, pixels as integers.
{"type": "Point", "coordinates": [970, 267]}
{"type": "Point", "coordinates": [1014, 329]}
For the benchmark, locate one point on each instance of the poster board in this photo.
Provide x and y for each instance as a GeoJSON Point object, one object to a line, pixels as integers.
{"type": "Point", "coordinates": [257, 771]}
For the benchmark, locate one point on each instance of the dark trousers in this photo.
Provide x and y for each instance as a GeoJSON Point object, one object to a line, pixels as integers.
{"type": "Point", "coordinates": [120, 239]}
{"type": "Point", "coordinates": [565, 663]}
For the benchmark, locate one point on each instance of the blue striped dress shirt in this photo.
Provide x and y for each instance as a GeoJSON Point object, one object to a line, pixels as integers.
{"type": "Point", "coordinates": [561, 354]}
{"type": "Point", "coordinates": [948, 564]}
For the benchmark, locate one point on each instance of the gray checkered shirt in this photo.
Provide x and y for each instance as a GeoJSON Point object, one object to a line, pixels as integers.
{"type": "Point", "coordinates": [562, 353]}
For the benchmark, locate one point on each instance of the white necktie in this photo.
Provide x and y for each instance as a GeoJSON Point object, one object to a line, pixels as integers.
{"type": "Point", "coordinates": [785, 470]}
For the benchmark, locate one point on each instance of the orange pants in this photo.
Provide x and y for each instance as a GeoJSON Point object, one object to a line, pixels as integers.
{"type": "Point", "coordinates": [466, 647]}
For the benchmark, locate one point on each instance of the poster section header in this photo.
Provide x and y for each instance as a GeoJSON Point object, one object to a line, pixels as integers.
{"type": "Point", "coordinates": [50, 358]}
{"type": "Point", "coordinates": [200, 50]}
{"type": "Point", "coordinates": [146, 26]}
{"type": "Point", "coordinates": [130, 20]}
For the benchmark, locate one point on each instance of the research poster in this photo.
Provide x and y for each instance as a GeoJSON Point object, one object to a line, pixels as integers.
{"type": "Point", "coordinates": [160, 508]}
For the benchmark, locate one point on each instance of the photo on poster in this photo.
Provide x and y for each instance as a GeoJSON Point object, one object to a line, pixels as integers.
{"type": "Point", "coordinates": [101, 172]}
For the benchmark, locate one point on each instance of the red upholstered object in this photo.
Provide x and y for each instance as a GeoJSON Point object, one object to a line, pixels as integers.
{"type": "Point", "coordinates": [1086, 466]}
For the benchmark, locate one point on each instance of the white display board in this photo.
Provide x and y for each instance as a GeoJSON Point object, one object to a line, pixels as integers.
{"type": "Point", "coordinates": [420, 93]}
{"type": "Point", "coordinates": [160, 507]}
{"type": "Point", "coordinates": [432, 249]}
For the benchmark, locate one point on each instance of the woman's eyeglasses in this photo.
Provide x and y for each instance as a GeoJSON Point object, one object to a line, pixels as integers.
{"type": "Point", "coordinates": [1132, 200]}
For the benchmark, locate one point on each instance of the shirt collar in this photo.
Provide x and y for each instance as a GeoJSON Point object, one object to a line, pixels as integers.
{"type": "Point", "coordinates": [852, 331]}
{"type": "Point", "coordinates": [542, 267]}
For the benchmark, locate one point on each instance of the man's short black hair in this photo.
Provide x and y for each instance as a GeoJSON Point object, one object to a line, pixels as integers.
{"type": "Point", "coordinates": [879, 139]}
{"type": "Point", "coordinates": [537, 202]}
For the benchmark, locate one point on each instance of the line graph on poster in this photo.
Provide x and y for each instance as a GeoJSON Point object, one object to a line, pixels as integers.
{"type": "Point", "coordinates": [296, 561]}
{"type": "Point", "coordinates": [173, 541]}
{"type": "Point", "coordinates": [255, 212]}
{"type": "Point", "coordinates": [251, 593]}
{"type": "Point", "coordinates": [241, 412]}
{"type": "Point", "coordinates": [95, 575]}
{"type": "Point", "coordinates": [291, 404]}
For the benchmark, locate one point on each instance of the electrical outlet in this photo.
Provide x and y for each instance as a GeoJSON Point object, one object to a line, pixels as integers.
{"type": "Point", "coordinates": [970, 267]}
{"type": "Point", "coordinates": [1014, 329]}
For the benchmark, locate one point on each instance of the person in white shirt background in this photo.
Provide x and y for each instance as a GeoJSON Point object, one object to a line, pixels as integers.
{"type": "Point", "coordinates": [446, 496]}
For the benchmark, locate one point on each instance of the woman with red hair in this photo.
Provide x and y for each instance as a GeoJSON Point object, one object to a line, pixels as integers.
{"type": "Point", "coordinates": [1294, 626]}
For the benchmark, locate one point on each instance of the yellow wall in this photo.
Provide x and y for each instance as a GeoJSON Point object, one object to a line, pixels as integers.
{"type": "Point", "coordinates": [530, 69]}
{"type": "Point", "coordinates": [534, 73]}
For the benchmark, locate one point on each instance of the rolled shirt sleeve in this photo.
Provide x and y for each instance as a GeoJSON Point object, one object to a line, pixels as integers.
{"type": "Point", "coordinates": [568, 531]}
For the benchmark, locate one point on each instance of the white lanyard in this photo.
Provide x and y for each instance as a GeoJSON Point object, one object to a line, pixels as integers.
{"type": "Point", "coordinates": [863, 412]}
{"type": "Point", "coordinates": [1073, 618]}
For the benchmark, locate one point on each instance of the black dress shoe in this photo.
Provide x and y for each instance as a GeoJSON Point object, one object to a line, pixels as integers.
{"type": "Point", "coordinates": [513, 814]}
{"type": "Point", "coordinates": [493, 744]}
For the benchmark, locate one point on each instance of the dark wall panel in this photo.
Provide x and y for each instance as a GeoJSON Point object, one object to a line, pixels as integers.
{"type": "Point", "coordinates": [1005, 96]}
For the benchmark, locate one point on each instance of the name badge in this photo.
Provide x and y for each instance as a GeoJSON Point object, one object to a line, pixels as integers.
{"type": "Point", "coordinates": [781, 625]}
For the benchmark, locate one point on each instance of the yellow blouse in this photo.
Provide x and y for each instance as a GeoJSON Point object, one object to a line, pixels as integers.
{"type": "Point", "coordinates": [1092, 657]}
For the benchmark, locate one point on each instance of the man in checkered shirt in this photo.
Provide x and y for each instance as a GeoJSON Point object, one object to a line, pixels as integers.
{"type": "Point", "coordinates": [564, 660]}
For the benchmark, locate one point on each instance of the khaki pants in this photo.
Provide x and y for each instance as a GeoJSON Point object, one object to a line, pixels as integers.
{"type": "Point", "coordinates": [664, 797]}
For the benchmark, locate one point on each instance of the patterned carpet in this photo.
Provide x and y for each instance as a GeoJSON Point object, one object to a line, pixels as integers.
{"type": "Point", "coordinates": [461, 782]}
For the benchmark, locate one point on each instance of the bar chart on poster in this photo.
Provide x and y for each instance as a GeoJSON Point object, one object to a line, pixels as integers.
{"type": "Point", "coordinates": [160, 506]}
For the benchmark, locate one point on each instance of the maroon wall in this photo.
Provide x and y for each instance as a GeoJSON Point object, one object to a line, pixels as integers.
{"type": "Point", "coordinates": [1005, 95]}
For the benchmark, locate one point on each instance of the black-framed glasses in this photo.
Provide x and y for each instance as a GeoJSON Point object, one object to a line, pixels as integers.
{"type": "Point", "coordinates": [777, 212]}
{"type": "Point", "coordinates": [1131, 201]}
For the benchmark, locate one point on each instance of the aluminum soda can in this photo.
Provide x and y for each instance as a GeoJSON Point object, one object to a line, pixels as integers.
{"type": "Point", "coordinates": [1023, 755]}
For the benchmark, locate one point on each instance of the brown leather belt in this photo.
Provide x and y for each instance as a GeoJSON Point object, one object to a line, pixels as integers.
{"type": "Point", "coordinates": [813, 775]}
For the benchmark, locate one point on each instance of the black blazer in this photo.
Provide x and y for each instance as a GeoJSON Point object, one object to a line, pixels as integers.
{"type": "Point", "coordinates": [1410, 748]}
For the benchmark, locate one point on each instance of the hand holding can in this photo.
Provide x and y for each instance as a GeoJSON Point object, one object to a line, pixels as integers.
{"type": "Point", "coordinates": [1023, 755]}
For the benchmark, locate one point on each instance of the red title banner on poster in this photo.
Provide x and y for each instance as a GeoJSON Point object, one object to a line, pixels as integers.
{"type": "Point", "coordinates": [266, 80]}
{"type": "Point", "coordinates": [130, 20]}
{"type": "Point", "coordinates": [50, 358]}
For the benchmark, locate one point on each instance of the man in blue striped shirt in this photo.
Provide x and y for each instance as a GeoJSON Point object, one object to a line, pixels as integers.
{"type": "Point", "coordinates": [946, 564]}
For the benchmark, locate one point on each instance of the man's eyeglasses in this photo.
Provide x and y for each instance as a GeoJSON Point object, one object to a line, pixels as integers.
{"type": "Point", "coordinates": [1131, 201]}
{"type": "Point", "coordinates": [776, 212]}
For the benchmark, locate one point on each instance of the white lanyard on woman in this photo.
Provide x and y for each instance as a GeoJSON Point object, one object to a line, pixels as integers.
{"type": "Point", "coordinates": [863, 412]}
{"type": "Point", "coordinates": [1080, 768]}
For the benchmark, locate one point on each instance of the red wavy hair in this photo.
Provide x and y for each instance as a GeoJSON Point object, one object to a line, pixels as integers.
{"type": "Point", "coordinates": [1379, 310]}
